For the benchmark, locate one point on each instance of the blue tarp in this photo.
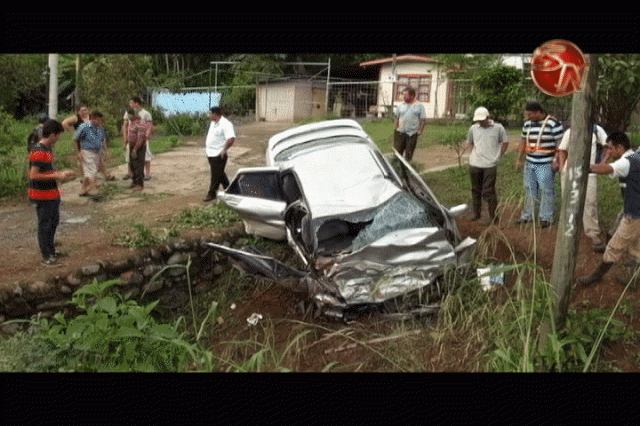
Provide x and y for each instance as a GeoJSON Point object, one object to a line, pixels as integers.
{"type": "Point", "coordinates": [185, 103]}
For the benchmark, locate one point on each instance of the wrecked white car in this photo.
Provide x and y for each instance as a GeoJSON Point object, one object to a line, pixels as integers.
{"type": "Point", "coordinates": [367, 232]}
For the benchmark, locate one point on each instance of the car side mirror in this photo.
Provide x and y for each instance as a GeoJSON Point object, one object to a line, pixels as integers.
{"type": "Point", "coordinates": [457, 210]}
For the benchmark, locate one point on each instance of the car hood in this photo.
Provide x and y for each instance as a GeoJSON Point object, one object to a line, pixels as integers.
{"type": "Point", "coordinates": [334, 184]}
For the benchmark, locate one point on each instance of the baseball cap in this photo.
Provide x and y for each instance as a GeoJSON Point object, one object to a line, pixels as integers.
{"type": "Point", "coordinates": [480, 114]}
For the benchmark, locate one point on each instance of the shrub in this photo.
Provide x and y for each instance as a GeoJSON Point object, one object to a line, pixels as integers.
{"type": "Point", "coordinates": [114, 334]}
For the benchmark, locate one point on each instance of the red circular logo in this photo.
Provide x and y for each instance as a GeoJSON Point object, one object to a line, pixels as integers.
{"type": "Point", "coordinates": [557, 68]}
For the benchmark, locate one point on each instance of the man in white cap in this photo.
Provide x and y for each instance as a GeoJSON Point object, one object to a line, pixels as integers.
{"type": "Point", "coordinates": [488, 142]}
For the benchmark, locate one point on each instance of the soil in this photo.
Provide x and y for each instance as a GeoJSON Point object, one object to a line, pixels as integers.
{"type": "Point", "coordinates": [179, 180]}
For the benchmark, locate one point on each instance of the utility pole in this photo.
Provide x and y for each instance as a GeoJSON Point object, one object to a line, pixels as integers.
{"type": "Point", "coordinates": [570, 224]}
{"type": "Point", "coordinates": [53, 85]}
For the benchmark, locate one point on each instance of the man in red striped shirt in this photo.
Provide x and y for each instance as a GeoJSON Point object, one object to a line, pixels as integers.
{"type": "Point", "coordinates": [43, 189]}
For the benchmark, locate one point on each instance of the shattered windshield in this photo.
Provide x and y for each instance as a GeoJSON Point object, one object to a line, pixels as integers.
{"type": "Point", "coordinates": [402, 211]}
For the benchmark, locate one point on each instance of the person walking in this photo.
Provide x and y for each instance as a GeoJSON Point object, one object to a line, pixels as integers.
{"type": "Point", "coordinates": [73, 123]}
{"type": "Point", "coordinates": [43, 189]}
{"type": "Point", "coordinates": [488, 142]}
{"type": "Point", "coordinates": [220, 137]}
{"type": "Point", "coordinates": [590, 222]}
{"type": "Point", "coordinates": [626, 239]}
{"type": "Point", "coordinates": [90, 141]}
{"type": "Point", "coordinates": [409, 123]}
{"type": "Point", "coordinates": [541, 134]}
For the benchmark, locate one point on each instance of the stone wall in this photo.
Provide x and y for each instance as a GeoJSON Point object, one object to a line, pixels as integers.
{"type": "Point", "coordinates": [135, 274]}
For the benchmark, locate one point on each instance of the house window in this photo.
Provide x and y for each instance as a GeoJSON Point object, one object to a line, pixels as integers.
{"type": "Point", "coordinates": [422, 84]}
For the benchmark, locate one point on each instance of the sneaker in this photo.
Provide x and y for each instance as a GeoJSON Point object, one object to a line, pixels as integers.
{"type": "Point", "coordinates": [147, 177]}
{"type": "Point", "coordinates": [126, 177]}
{"type": "Point", "coordinates": [51, 262]}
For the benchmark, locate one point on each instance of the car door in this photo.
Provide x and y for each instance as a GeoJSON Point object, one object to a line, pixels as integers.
{"type": "Point", "coordinates": [256, 195]}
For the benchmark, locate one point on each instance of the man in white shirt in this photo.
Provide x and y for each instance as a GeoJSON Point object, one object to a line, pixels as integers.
{"type": "Point", "coordinates": [220, 138]}
{"type": "Point", "coordinates": [626, 240]}
{"type": "Point", "coordinates": [590, 216]}
{"type": "Point", "coordinates": [488, 142]}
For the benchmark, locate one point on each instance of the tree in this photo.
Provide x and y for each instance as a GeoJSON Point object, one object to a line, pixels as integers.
{"type": "Point", "coordinates": [618, 90]}
{"type": "Point", "coordinates": [499, 88]}
{"type": "Point", "coordinates": [109, 81]}
{"type": "Point", "coordinates": [21, 74]}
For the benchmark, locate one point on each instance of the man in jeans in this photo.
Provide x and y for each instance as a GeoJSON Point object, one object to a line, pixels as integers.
{"type": "Point", "coordinates": [541, 134]}
{"type": "Point", "coordinates": [409, 124]}
{"type": "Point", "coordinates": [43, 189]}
{"type": "Point", "coordinates": [220, 138]}
{"type": "Point", "coordinates": [488, 142]}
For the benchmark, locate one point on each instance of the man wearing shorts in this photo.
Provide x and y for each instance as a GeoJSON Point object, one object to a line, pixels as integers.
{"type": "Point", "coordinates": [89, 140]}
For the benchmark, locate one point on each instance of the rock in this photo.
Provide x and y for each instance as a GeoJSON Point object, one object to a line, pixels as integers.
{"type": "Point", "coordinates": [65, 290]}
{"type": "Point", "coordinates": [180, 245]}
{"type": "Point", "coordinates": [17, 290]}
{"type": "Point", "coordinates": [153, 286]}
{"type": "Point", "coordinates": [40, 287]}
{"type": "Point", "coordinates": [150, 270]}
{"type": "Point", "coordinates": [89, 270]}
{"type": "Point", "coordinates": [177, 272]}
{"type": "Point", "coordinates": [131, 277]}
{"type": "Point", "coordinates": [177, 258]}
{"type": "Point", "coordinates": [119, 266]}
{"type": "Point", "coordinates": [73, 280]}
{"type": "Point", "coordinates": [10, 328]}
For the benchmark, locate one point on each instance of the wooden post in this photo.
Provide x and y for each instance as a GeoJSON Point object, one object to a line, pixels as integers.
{"type": "Point", "coordinates": [573, 196]}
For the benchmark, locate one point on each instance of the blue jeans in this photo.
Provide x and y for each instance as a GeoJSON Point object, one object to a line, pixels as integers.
{"type": "Point", "coordinates": [539, 187]}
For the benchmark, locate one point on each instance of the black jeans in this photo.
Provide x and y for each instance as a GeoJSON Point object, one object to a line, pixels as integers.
{"type": "Point", "coordinates": [405, 144]}
{"type": "Point", "coordinates": [48, 212]}
{"type": "Point", "coordinates": [137, 164]}
{"type": "Point", "coordinates": [218, 176]}
{"type": "Point", "coordinates": [483, 186]}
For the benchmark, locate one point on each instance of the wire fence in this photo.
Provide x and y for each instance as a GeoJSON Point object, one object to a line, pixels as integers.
{"type": "Point", "coordinates": [366, 100]}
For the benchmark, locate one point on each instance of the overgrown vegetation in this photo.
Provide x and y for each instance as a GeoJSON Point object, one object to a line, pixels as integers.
{"type": "Point", "coordinates": [476, 330]}
{"type": "Point", "coordinates": [112, 333]}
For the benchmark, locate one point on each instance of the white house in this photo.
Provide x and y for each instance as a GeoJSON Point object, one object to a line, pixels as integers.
{"type": "Point", "coordinates": [423, 73]}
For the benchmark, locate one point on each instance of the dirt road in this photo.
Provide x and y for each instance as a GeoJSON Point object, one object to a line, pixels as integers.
{"type": "Point", "coordinates": [88, 228]}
